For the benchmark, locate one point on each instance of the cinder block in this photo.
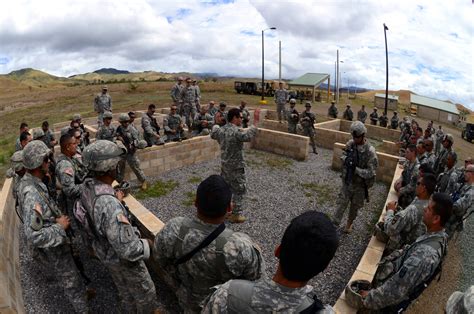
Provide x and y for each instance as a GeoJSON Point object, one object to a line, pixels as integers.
{"type": "Point", "coordinates": [369, 261]}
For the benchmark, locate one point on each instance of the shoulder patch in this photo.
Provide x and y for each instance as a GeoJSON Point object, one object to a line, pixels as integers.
{"type": "Point", "coordinates": [69, 171]}
{"type": "Point", "coordinates": [122, 219]}
{"type": "Point", "coordinates": [38, 209]}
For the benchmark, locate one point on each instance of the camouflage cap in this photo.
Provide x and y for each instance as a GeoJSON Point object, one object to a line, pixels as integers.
{"type": "Point", "coordinates": [375, 108]}
{"type": "Point", "coordinates": [307, 104]}
{"type": "Point", "coordinates": [76, 116]}
{"type": "Point", "coordinates": [107, 115]}
{"type": "Point", "coordinates": [17, 161]}
{"type": "Point", "coordinates": [142, 144]}
{"type": "Point", "coordinates": [34, 154]}
{"type": "Point", "coordinates": [105, 87]}
{"type": "Point", "coordinates": [102, 156]}
{"type": "Point", "coordinates": [358, 128]}
{"type": "Point", "coordinates": [38, 133]}
{"type": "Point", "coordinates": [124, 117]}
{"type": "Point", "coordinates": [292, 101]}
{"type": "Point", "coordinates": [180, 78]}
{"type": "Point", "coordinates": [468, 160]}
{"type": "Point", "coordinates": [448, 137]}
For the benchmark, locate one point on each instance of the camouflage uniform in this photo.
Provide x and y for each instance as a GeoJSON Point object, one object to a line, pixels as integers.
{"type": "Point", "coordinates": [189, 100]}
{"type": "Point", "coordinates": [462, 204]}
{"type": "Point", "coordinates": [245, 117]}
{"type": "Point", "coordinates": [374, 117]}
{"type": "Point", "coordinates": [332, 111]}
{"type": "Point", "coordinates": [443, 181]}
{"type": "Point", "coordinates": [400, 272]}
{"type": "Point", "coordinates": [293, 119]}
{"type": "Point", "coordinates": [71, 173]}
{"type": "Point", "coordinates": [48, 138]}
{"type": "Point", "coordinates": [281, 96]}
{"type": "Point", "coordinates": [102, 103]}
{"type": "Point", "coordinates": [230, 255]}
{"type": "Point", "coordinates": [198, 129]}
{"type": "Point", "coordinates": [394, 122]}
{"type": "Point", "coordinates": [150, 130]}
{"type": "Point", "coordinates": [461, 303]}
{"type": "Point", "coordinates": [353, 192]}
{"type": "Point", "coordinates": [439, 138]}
{"type": "Point", "coordinates": [409, 177]}
{"type": "Point", "coordinates": [130, 142]}
{"type": "Point", "coordinates": [262, 296]}
{"type": "Point", "coordinates": [440, 163]}
{"type": "Point", "coordinates": [348, 114]}
{"type": "Point", "coordinates": [221, 115]}
{"type": "Point", "coordinates": [307, 122]}
{"type": "Point", "coordinates": [176, 96]}
{"type": "Point", "coordinates": [383, 120]}
{"type": "Point", "coordinates": [362, 115]}
{"type": "Point", "coordinates": [18, 145]}
{"type": "Point", "coordinates": [231, 139]}
{"type": "Point", "coordinates": [212, 111]}
{"type": "Point", "coordinates": [429, 159]}
{"type": "Point", "coordinates": [106, 133]}
{"type": "Point", "coordinates": [406, 225]}
{"type": "Point", "coordinates": [49, 241]}
{"type": "Point", "coordinates": [197, 93]}
{"type": "Point", "coordinates": [173, 123]}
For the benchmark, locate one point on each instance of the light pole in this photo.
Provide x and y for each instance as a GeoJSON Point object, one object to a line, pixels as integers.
{"type": "Point", "coordinates": [263, 61]}
{"type": "Point", "coordinates": [385, 29]}
{"type": "Point", "coordinates": [338, 78]}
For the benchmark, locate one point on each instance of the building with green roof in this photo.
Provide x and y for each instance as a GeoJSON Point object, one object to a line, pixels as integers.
{"type": "Point", "coordinates": [310, 82]}
{"type": "Point", "coordinates": [434, 109]}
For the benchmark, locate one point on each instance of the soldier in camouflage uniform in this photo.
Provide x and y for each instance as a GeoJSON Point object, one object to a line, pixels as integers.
{"type": "Point", "coordinates": [358, 174]}
{"type": "Point", "coordinates": [442, 158]}
{"type": "Point", "coordinates": [332, 110]}
{"type": "Point", "coordinates": [203, 122]}
{"type": "Point", "coordinates": [197, 93]}
{"type": "Point", "coordinates": [132, 126]}
{"type": "Point", "coordinates": [106, 131]}
{"type": "Point", "coordinates": [348, 114]}
{"type": "Point", "coordinates": [48, 138]}
{"type": "Point", "coordinates": [307, 120]}
{"type": "Point", "coordinates": [102, 103]}
{"type": "Point", "coordinates": [25, 138]}
{"type": "Point", "coordinates": [401, 273]}
{"type": "Point", "coordinates": [383, 120]}
{"type": "Point", "coordinates": [230, 254]}
{"type": "Point", "coordinates": [444, 177]}
{"type": "Point", "coordinates": [430, 157]}
{"type": "Point", "coordinates": [45, 227]}
{"type": "Point", "coordinates": [174, 126]}
{"type": "Point", "coordinates": [308, 245]}
{"type": "Point", "coordinates": [38, 134]}
{"type": "Point", "coordinates": [231, 138]}
{"type": "Point", "coordinates": [23, 128]}
{"type": "Point", "coordinates": [176, 94]}
{"type": "Point", "coordinates": [245, 114]}
{"type": "Point", "coordinates": [394, 121]}
{"type": "Point", "coordinates": [461, 303]}
{"type": "Point", "coordinates": [116, 243]}
{"type": "Point", "coordinates": [362, 114]}
{"type": "Point", "coordinates": [212, 109]}
{"type": "Point", "coordinates": [16, 172]}
{"type": "Point", "coordinates": [220, 117]}
{"type": "Point", "coordinates": [457, 177]}
{"type": "Point", "coordinates": [406, 184]}
{"type": "Point", "coordinates": [404, 226]}
{"type": "Point", "coordinates": [374, 117]}
{"type": "Point", "coordinates": [439, 134]}
{"type": "Point", "coordinates": [188, 110]}
{"type": "Point", "coordinates": [293, 117]}
{"type": "Point", "coordinates": [151, 129]}
{"type": "Point", "coordinates": [281, 97]}
{"type": "Point", "coordinates": [131, 143]}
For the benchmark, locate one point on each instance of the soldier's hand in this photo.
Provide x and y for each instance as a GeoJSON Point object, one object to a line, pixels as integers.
{"type": "Point", "coordinates": [392, 205]}
{"type": "Point", "coordinates": [157, 136]}
{"type": "Point", "coordinates": [363, 293]}
{"type": "Point", "coordinates": [119, 194]}
{"type": "Point", "coordinates": [63, 221]}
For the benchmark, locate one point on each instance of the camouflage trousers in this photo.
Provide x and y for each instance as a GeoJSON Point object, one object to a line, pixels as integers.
{"type": "Point", "coordinates": [100, 119]}
{"type": "Point", "coordinates": [238, 185]}
{"type": "Point", "coordinates": [152, 140]}
{"type": "Point", "coordinates": [308, 131]}
{"type": "Point", "coordinates": [292, 128]}
{"type": "Point", "coordinates": [352, 195]}
{"type": "Point", "coordinates": [134, 164]}
{"type": "Point", "coordinates": [58, 261]}
{"type": "Point", "coordinates": [188, 112]}
{"type": "Point", "coordinates": [281, 110]}
{"type": "Point", "coordinates": [135, 288]}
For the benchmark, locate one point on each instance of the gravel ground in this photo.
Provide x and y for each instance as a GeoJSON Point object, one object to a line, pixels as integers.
{"type": "Point", "coordinates": [278, 190]}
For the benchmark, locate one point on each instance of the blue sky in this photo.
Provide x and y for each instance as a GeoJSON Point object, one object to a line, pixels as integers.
{"type": "Point", "coordinates": [430, 42]}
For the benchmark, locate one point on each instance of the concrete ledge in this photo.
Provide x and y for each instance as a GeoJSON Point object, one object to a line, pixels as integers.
{"type": "Point", "coordinates": [374, 131]}
{"type": "Point", "coordinates": [282, 143]}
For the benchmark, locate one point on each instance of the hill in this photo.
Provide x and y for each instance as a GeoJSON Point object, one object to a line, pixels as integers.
{"type": "Point", "coordinates": [111, 75]}
{"type": "Point", "coordinates": [111, 71]}
{"type": "Point", "coordinates": [37, 78]}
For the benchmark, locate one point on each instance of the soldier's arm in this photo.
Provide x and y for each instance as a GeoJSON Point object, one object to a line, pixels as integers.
{"type": "Point", "coordinates": [65, 174]}
{"type": "Point", "coordinates": [173, 94]}
{"type": "Point", "coordinates": [165, 125]}
{"type": "Point", "coordinates": [40, 233]}
{"type": "Point", "coordinates": [110, 103]}
{"type": "Point", "coordinates": [164, 244]}
{"type": "Point", "coordinates": [371, 170]}
{"type": "Point", "coordinates": [404, 219]}
{"type": "Point", "coordinates": [217, 301]}
{"type": "Point", "coordinates": [215, 132]}
{"type": "Point", "coordinates": [248, 134]}
{"type": "Point", "coordinates": [146, 126]}
{"type": "Point", "coordinates": [243, 257]}
{"type": "Point", "coordinates": [464, 203]}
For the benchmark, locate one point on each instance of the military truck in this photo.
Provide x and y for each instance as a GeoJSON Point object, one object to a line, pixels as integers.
{"type": "Point", "coordinates": [255, 88]}
{"type": "Point", "coordinates": [467, 132]}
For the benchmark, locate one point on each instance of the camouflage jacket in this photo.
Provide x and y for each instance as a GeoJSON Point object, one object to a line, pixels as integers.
{"type": "Point", "coordinates": [188, 94]}
{"type": "Point", "coordinates": [48, 138]}
{"type": "Point", "coordinates": [293, 116]}
{"type": "Point", "coordinates": [307, 119]}
{"type": "Point", "coordinates": [18, 145]}
{"type": "Point", "coordinates": [429, 159]}
{"type": "Point", "coordinates": [441, 160]}
{"type": "Point", "coordinates": [361, 116]}
{"type": "Point", "coordinates": [267, 297]}
{"type": "Point", "coordinates": [332, 111]}
{"type": "Point", "coordinates": [281, 96]}
{"type": "Point", "coordinates": [462, 206]}
{"type": "Point", "coordinates": [394, 122]}
{"type": "Point", "coordinates": [456, 179]}
{"type": "Point", "coordinates": [199, 119]}
{"type": "Point", "coordinates": [212, 111]}
{"type": "Point", "coordinates": [106, 133]}
{"type": "Point", "coordinates": [348, 114]}
{"type": "Point", "coordinates": [374, 116]}
{"type": "Point", "coordinates": [176, 92]}
{"type": "Point", "coordinates": [150, 126]}
{"type": "Point", "coordinates": [403, 270]}
{"type": "Point", "coordinates": [231, 139]}
{"type": "Point", "coordinates": [70, 173]}
{"type": "Point", "coordinates": [240, 258]}
{"type": "Point", "coordinates": [409, 176]}
{"type": "Point", "coordinates": [406, 225]}
{"type": "Point", "coordinates": [172, 122]}
{"type": "Point", "coordinates": [130, 139]}
{"type": "Point", "coordinates": [443, 181]}
{"type": "Point", "coordinates": [367, 162]}
{"type": "Point", "coordinates": [103, 103]}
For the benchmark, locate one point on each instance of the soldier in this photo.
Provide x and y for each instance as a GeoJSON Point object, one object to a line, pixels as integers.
{"type": "Point", "coordinates": [102, 103]}
{"type": "Point", "coordinates": [383, 120]}
{"type": "Point", "coordinates": [16, 172]}
{"type": "Point", "coordinates": [362, 114]}
{"type": "Point", "coordinates": [188, 110]}
{"type": "Point", "coordinates": [38, 134]}
{"type": "Point", "coordinates": [197, 93]}
{"type": "Point", "coordinates": [348, 114]}
{"type": "Point", "coordinates": [25, 138]}
{"type": "Point", "coordinates": [461, 303]}
{"type": "Point", "coordinates": [307, 122]}
{"type": "Point", "coordinates": [281, 97]}
{"type": "Point", "coordinates": [245, 114]}
{"type": "Point", "coordinates": [430, 156]}
{"type": "Point", "coordinates": [151, 129]}
{"type": "Point", "coordinates": [358, 174]}
{"type": "Point", "coordinates": [374, 117]}
{"type": "Point", "coordinates": [444, 177]}
{"type": "Point", "coordinates": [441, 159]}
{"type": "Point", "coordinates": [404, 274]}
{"type": "Point", "coordinates": [404, 226]}
{"type": "Point", "coordinates": [220, 117]}
{"type": "Point", "coordinates": [48, 138]}
{"type": "Point", "coordinates": [203, 123]}
{"type": "Point", "coordinates": [212, 109]}
{"type": "Point", "coordinates": [421, 152]}
{"type": "Point", "coordinates": [176, 94]}
{"type": "Point", "coordinates": [308, 245]}
{"type": "Point", "coordinates": [439, 139]}
{"type": "Point", "coordinates": [23, 128]}
{"type": "Point", "coordinates": [405, 186]}
{"type": "Point", "coordinates": [190, 268]}
{"type": "Point", "coordinates": [293, 117]}
{"type": "Point", "coordinates": [457, 177]}
{"type": "Point", "coordinates": [231, 138]}
{"type": "Point", "coordinates": [77, 125]}
{"type": "Point", "coordinates": [106, 131]}
{"type": "Point", "coordinates": [332, 110]}
{"type": "Point", "coordinates": [174, 126]}
{"type": "Point", "coordinates": [116, 243]}
{"type": "Point", "coordinates": [394, 121]}
{"type": "Point", "coordinates": [131, 143]}
{"type": "Point", "coordinates": [45, 227]}
{"type": "Point", "coordinates": [132, 126]}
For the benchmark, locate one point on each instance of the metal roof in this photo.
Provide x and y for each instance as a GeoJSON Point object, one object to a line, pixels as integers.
{"type": "Point", "coordinates": [310, 79]}
{"type": "Point", "coordinates": [434, 103]}
{"type": "Point", "coordinates": [392, 97]}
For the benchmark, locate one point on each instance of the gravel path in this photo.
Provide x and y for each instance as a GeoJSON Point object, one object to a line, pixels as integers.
{"type": "Point", "coordinates": [278, 190]}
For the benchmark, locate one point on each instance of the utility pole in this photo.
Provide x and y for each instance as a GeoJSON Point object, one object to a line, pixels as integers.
{"type": "Point", "coordinates": [337, 77]}
{"type": "Point", "coordinates": [279, 68]}
{"type": "Point", "coordinates": [385, 29]}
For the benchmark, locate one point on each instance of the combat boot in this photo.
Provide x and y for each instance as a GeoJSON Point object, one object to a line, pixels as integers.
{"type": "Point", "coordinates": [236, 219]}
{"type": "Point", "coordinates": [144, 186]}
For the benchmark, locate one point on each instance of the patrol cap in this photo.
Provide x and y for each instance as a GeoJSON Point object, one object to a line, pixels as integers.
{"type": "Point", "coordinates": [188, 79]}
{"type": "Point", "coordinates": [38, 133]}
{"type": "Point", "coordinates": [76, 116]}
{"type": "Point", "coordinates": [108, 115]}
{"type": "Point", "coordinates": [348, 105]}
{"type": "Point", "coordinates": [34, 154]}
{"type": "Point", "coordinates": [307, 104]}
{"type": "Point", "coordinates": [448, 137]}
{"type": "Point", "coordinates": [353, 297]}
{"type": "Point", "coordinates": [358, 128]}
{"type": "Point", "coordinates": [105, 87]}
{"type": "Point", "coordinates": [222, 104]}
{"type": "Point", "coordinates": [17, 161]}
{"type": "Point", "coordinates": [375, 108]}
{"type": "Point", "coordinates": [124, 117]}
{"type": "Point", "coordinates": [292, 101]}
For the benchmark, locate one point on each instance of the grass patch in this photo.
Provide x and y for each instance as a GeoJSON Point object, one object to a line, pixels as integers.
{"type": "Point", "coordinates": [160, 188]}
{"type": "Point", "coordinates": [190, 198]}
{"type": "Point", "coordinates": [195, 179]}
{"type": "Point", "coordinates": [323, 192]}
{"type": "Point", "coordinates": [279, 163]}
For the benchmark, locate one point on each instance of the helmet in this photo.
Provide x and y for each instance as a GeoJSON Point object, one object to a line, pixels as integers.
{"type": "Point", "coordinates": [379, 232]}
{"type": "Point", "coordinates": [107, 115]}
{"type": "Point", "coordinates": [448, 137]}
{"type": "Point", "coordinates": [102, 156]}
{"type": "Point", "coordinates": [124, 117]}
{"type": "Point", "coordinates": [358, 128]}
{"type": "Point", "coordinates": [34, 154]}
{"type": "Point", "coordinates": [307, 104]}
{"type": "Point", "coordinates": [353, 298]}
{"type": "Point", "coordinates": [17, 160]}
{"type": "Point", "coordinates": [205, 132]}
{"type": "Point", "coordinates": [37, 133]}
{"type": "Point", "coordinates": [104, 87]}
{"type": "Point", "coordinates": [76, 116]}
{"type": "Point", "coordinates": [142, 144]}
{"type": "Point", "coordinates": [292, 101]}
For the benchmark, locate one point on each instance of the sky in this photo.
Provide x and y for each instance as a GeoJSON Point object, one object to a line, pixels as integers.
{"type": "Point", "coordinates": [430, 43]}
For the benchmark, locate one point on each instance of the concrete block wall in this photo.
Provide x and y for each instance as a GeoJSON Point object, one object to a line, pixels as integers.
{"type": "Point", "coordinates": [389, 147]}
{"type": "Point", "coordinates": [11, 298]}
{"type": "Point", "coordinates": [282, 143]}
{"type": "Point", "coordinates": [327, 137]}
{"type": "Point", "coordinates": [374, 131]}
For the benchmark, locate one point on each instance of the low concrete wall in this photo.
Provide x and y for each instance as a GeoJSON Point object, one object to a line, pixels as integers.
{"type": "Point", "coordinates": [11, 298]}
{"type": "Point", "coordinates": [282, 143]}
{"type": "Point", "coordinates": [374, 131]}
{"type": "Point", "coordinates": [327, 137]}
{"type": "Point", "coordinates": [389, 147]}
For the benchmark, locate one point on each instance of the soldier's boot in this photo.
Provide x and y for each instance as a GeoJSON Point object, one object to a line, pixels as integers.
{"type": "Point", "coordinates": [144, 186]}
{"type": "Point", "coordinates": [314, 150]}
{"type": "Point", "coordinates": [348, 228]}
{"type": "Point", "coordinates": [236, 218]}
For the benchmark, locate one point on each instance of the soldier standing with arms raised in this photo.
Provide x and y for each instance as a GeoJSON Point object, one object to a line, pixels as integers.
{"type": "Point", "coordinates": [102, 103]}
{"type": "Point", "coordinates": [281, 97]}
